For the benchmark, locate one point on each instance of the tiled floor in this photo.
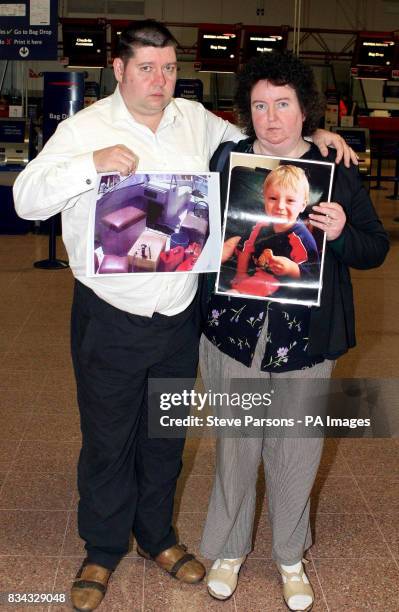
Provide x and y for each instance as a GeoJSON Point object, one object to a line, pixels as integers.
{"type": "Point", "coordinates": [354, 563]}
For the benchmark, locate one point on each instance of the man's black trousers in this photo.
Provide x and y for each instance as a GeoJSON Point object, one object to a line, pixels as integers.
{"type": "Point", "coordinates": [126, 480]}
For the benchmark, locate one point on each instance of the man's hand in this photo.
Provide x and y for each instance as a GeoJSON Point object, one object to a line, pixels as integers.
{"type": "Point", "coordinates": [324, 138]}
{"type": "Point", "coordinates": [115, 159]}
{"type": "Point", "coordinates": [331, 219]}
{"type": "Point", "coordinates": [229, 247]}
{"type": "Point", "coordinates": [282, 266]}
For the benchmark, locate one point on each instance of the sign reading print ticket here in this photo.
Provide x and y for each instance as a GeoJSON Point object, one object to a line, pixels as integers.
{"type": "Point", "coordinates": [28, 30]}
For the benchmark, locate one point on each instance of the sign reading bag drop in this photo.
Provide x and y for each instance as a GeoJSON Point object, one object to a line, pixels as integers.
{"type": "Point", "coordinates": [28, 30]}
{"type": "Point", "coordinates": [63, 97]}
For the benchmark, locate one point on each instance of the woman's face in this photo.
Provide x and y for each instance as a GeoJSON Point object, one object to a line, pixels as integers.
{"type": "Point", "coordinates": [277, 118]}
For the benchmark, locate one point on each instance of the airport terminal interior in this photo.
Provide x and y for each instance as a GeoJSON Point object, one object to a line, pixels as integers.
{"type": "Point", "coordinates": [354, 562]}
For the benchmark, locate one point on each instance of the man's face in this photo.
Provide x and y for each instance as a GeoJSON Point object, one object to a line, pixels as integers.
{"type": "Point", "coordinates": [284, 204]}
{"type": "Point", "coordinates": [147, 81]}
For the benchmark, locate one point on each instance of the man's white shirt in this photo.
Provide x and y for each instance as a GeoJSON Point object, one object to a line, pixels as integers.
{"type": "Point", "coordinates": [62, 178]}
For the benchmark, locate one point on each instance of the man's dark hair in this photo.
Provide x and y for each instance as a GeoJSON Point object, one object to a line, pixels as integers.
{"type": "Point", "coordinates": [279, 68]}
{"type": "Point", "coordinates": [146, 33]}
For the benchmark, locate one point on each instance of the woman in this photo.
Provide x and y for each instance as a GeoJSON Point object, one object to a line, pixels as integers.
{"type": "Point", "coordinates": [278, 104]}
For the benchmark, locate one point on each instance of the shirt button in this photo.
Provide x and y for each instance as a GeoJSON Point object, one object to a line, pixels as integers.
{"type": "Point", "coordinates": [88, 181]}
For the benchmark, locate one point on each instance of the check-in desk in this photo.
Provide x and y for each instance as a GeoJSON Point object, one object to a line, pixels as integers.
{"type": "Point", "coordinates": [10, 223]}
{"type": "Point", "coordinates": [384, 138]}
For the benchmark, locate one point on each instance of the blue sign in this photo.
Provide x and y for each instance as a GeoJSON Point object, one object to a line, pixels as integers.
{"type": "Point", "coordinates": [191, 89]}
{"type": "Point", "coordinates": [28, 29]}
{"type": "Point", "coordinates": [12, 130]}
{"type": "Point", "coordinates": [63, 95]}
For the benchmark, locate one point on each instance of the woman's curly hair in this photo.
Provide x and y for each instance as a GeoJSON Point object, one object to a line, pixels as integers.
{"type": "Point", "coordinates": [279, 68]}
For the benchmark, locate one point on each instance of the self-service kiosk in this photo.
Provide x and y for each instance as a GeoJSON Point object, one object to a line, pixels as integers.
{"type": "Point", "coordinates": [15, 152]}
{"type": "Point", "coordinates": [359, 139]}
{"type": "Point", "coordinates": [15, 142]}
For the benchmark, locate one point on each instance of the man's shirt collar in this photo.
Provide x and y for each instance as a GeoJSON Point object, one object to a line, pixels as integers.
{"type": "Point", "coordinates": [121, 114]}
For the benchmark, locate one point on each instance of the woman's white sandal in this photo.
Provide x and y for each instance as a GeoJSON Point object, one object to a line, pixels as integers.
{"type": "Point", "coordinates": [223, 577]}
{"type": "Point", "coordinates": [296, 589]}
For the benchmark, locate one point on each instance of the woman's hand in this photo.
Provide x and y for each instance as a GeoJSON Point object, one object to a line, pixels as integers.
{"type": "Point", "coordinates": [229, 247]}
{"type": "Point", "coordinates": [331, 219]}
{"type": "Point", "coordinates": [325, 138]}
{"type": "Point", "coordinates": [282, 266]}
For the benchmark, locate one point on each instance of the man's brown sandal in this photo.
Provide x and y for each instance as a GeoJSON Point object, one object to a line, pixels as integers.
{"type": "Point", "coordinates": [89, 586]}
{"type": "Point", "coordinates": [178, 563]}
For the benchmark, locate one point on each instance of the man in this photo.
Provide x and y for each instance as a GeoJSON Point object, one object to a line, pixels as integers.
{"type": "Point", "coordinates": [125, 330]}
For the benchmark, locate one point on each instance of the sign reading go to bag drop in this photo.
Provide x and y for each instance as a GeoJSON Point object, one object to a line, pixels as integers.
{"type": "Point", "coordinates": [28, 29]}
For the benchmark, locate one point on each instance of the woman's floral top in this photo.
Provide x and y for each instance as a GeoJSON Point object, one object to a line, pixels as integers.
{"type": "Point", "coordinates": [235, 324]}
